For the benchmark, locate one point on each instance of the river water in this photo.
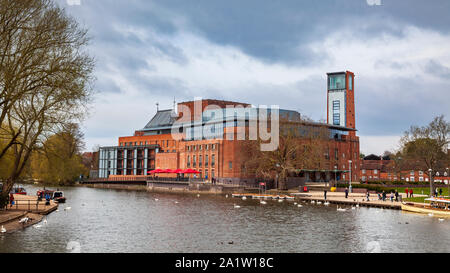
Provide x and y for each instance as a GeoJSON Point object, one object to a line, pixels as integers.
{"type": "Point", "coordinates": [102, 220]}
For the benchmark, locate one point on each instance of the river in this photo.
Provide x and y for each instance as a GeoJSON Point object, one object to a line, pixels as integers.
{"type": "Point", "coordinates": [102, 220]}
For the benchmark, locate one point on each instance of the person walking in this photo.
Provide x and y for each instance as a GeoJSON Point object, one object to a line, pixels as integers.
{"type": "Point", "coordinates": [407, 192]}
{"type": "Point", "coordinates": [392, 196]}
{"type": "Point", "coordinates": [325, 194]}
{"type": "Point", "coordinates": [346, 193]}
{"type": "Point", "coordinates": [440, 191]}
{"type": "Point", "coordinates": [384, 196]}
{"type": "Point", "coordinates": [367, 196]}
{"type": "Point", "coordinates": [411, 193]}
{"type": "Point", "coordinates": [396, 196]}
{"type": "Point", "coordinates": [11, 199]}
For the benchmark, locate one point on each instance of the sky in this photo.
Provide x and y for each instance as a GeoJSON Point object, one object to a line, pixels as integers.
{"type": "Point", "coordinates": [267, 52]}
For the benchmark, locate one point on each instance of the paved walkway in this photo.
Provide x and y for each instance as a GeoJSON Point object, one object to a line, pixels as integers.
{"type": "Point", "coordinates": [31, 204]}
{"type": "Point", "coordinates": [352, 200]}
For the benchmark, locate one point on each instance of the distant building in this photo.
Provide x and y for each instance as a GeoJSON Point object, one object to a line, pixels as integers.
{"type": "Point", "coordinates": [203, 144]}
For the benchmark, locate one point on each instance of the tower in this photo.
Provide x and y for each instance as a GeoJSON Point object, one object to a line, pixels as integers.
{"type": "Point", "coordinates": [341, 99]}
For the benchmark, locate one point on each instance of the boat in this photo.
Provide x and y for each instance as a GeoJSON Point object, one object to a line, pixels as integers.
{"type": "Point", "coordinates": [57, 196]}
{"type": "Point", "coordinates": [437, 206]}
{"type": "Point", "coordinates": [19, 190]}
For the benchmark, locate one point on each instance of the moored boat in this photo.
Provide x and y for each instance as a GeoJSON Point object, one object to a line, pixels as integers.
{"type": "Point", "coordinates": [437, 206]}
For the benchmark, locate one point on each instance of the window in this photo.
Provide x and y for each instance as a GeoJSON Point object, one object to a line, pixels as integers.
{"type": "Point", "coordinates": [213, 160]}
{"type": "Point", "coordinates": [199, 160]}
{"type": "Point", "coordinates": [207, 147]}
{"type": "Point", "coordinates": [230, 165]}
{"type": "Point", "coordinates": [336, 82]}
{"type": "Point", "coordinates": [375, 171]}
{"type": "Point", "coordinates": [336, 154]}
{"type": "Point", "coordinates": [201, 147]}
{"type": "Point", "coordinates": [206, 160]}
{"type": "Point", "coordinates": [336, 106]}
{"type": "Point", "coordinates": [364, 171]}
{"type": "Point", "coordinates": [212, 173]}
{"type": "Point", "coordinates": [194, 161]}
{"type": "Point", "coordinates": [336, 119]}
{"type": "Point", "coordinates": [206, 173]}
{"type": "Point", "coordinates": [411, 173]}
{"type": "Point", "coordinates": [350, 82]}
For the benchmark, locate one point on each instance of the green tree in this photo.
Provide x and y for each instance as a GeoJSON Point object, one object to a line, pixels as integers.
{"type": "Point", "coordinates": [45, 78]}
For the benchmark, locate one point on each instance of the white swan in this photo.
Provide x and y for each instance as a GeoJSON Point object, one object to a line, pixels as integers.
{"type": "Point", "coordinates": [156, 199]}
{"type": "Point", "coordinates": [341, 209]}
{"type": "Point", "coordinates": [74, 247]}
{"type": "Point", "coordinates": [244, 198]}
{"type": "Point", "coordinates": [236, 206]}
{"type": "Point", "coordinates": [226, 196]}
{"type": "Point", "coordinates": [295, 203]}
{"type": "Point", "coordinates": [68, 208]}
{"type": "Point", "coordinates": [319, 203]}
{"type": "Point", "coordinates": [24, 220]}
{"type": "Point", "coordinates": [45, 220]}
{"type": "Point", "coordinates": [441, 220]}
{"type": "Point", "coordinates": [3, 230]}
{"type": "Point", "coordinates": [313, 202]}
{"type": "Point", "coordinates": [198, 195]}
{"type": "Point", "coordinates": [353, 208]}
{"type": "Point", "coordinates": [37, 226]}
{"type": "Point", "coordinates": [300, 206]}
{"type": "Point", "coordinates": [262, 202]}
{"type": "Point", "coordinates": [357, 205]}
{"type": "Point", "coordinates": [280, 200]}
{"type": "Point", "coordinates": [430, 214]}
{"type": "Point", "coordinates": [326, 203]}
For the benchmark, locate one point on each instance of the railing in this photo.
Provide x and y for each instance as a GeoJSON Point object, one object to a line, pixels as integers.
{"type": "Point", "coordinates": [27, 205]}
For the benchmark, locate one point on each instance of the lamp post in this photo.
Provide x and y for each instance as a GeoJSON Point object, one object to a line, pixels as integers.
{"type": "Point", "coordinates": [448, 182]}
{"type": "Point", "coordinates": [335, 175]}
{"type": "Point", "coordinates": [350, 178]}
{"type": "Point", "coordinates": [431, 182]}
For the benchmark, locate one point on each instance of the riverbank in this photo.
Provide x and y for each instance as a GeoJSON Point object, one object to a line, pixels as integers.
{"type": "Point", "coordinates": [25, 207]}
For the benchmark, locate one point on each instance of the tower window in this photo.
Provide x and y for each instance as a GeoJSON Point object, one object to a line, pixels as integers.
{"type": "Point", "coordinates": [336, 119]}
{"type": "Point", "coordinates": [350, 82]}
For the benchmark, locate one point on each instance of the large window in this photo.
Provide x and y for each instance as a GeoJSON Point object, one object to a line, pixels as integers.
{"type": "Point", "coordinates": [213, 160]}
{"type": "Point", "coordinates": [337, 119]}
{"type": "Point", "coordinates": [336, 82]}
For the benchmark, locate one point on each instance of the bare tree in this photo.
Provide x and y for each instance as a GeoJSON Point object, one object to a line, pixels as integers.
{"type": "Point", "coordinates": [45, 77]}
{"type": "Point", "coordinates": [426, 146]}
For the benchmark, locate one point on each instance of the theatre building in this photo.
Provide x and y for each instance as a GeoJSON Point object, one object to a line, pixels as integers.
{"type": "Point", "coordinates": [204, 135]}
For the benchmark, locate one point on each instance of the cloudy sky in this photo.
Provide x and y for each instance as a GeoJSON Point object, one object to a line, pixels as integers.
{"type": "Point", "coordinates": [268, 52]}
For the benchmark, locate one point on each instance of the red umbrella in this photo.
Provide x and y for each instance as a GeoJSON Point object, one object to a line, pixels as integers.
{"type": "Point", "coordinates": [178, 171]}
{"type": "Point", "coordinates": [169, 171]}
{"type": "Point", "coordinates": [157, 171]}
{"type": "Point", "coordinates": [190, 171]}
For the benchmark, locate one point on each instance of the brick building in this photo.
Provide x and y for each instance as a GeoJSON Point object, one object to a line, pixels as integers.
{"type": "Point", "coordinates": [204, 135]}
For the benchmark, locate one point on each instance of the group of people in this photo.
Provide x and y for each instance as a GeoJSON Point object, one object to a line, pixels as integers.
{"type": "Point", "coordinates": [394, 196]}
{"type": "Point", "coordinates": [409, 193]}
{"type": "Point", "coordinates": [438, 192]}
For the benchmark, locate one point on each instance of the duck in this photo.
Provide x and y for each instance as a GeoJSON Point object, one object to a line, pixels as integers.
{"type": "Point", "coordinates": [236, 206]}
{"type": "Point", "coordinates": [3, 229]}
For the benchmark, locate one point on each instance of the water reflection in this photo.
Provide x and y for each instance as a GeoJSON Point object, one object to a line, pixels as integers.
{"type": "Point", "coordinates": [122, 221]}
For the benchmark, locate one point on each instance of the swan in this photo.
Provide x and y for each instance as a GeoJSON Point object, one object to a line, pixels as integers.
{"type": "Point", "coordinates": [262, 202]}
{"type": "Point", "coordinates": [341, 209]}
{"type": "Point", "coordinates": [156, 199]}
{"type": "Point", "coordinates": [68, 208]}
{"type": "Point", "coordinates": [295, 203]}
{"type": "Point", "coordinates": [244, 198]}
{"type": "Point", "coordinates": [353, 208]}
{"type": "Point", "coordinates": [326, 203]}
{"type": "Point", "coordinates": [319, 203]}
{"type": "Point", "coordinates": [176, 202]}
{"type": "Point", "coordinates": [24, 220]}
{"type": "Point", "coordinates": [45, 220]}
{"type": "Point", "coordinates": [313, 202]}
{"type": "Point", "coordinates": [280, 200]}
{"type": "Point", "coordinates": [37, 226]}
{"type": "Point", "coordinates": [430, 214]}
{"type": "Point", "coordinates": [300, 206]}
{"type": "Point", "coordinates": [198, 195]}
{"type": "Point", "coordinates": [226, 196]}
{"type": "Point", "coordinates": [441, 220]}
{"type": "Point", "coordinates": [357, 205]}
{"type": "Point", "coordinates": [3, 230]}
{"type": "Point", "coordinates": [236, 206]}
